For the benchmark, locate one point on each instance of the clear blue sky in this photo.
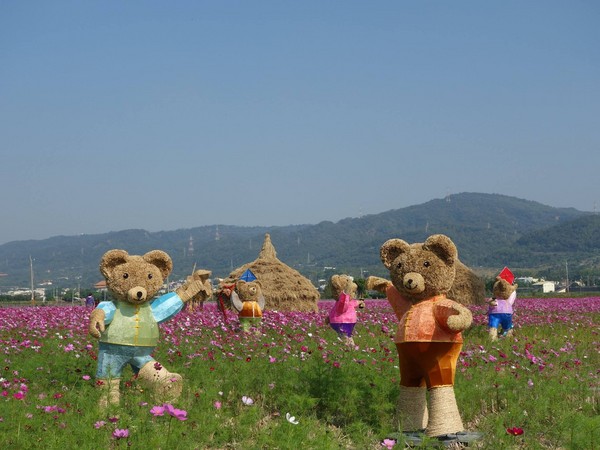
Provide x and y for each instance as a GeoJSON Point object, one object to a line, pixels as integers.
{"type": "Point", "coordinates": [164, 115]}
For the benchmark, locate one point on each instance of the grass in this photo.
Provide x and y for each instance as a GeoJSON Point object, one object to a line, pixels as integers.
{"type": "Point", "coordinates": [544, 380]}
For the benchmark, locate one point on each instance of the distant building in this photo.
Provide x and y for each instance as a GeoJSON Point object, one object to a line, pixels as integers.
{"type": "Point", "coordinates": [544, 286]}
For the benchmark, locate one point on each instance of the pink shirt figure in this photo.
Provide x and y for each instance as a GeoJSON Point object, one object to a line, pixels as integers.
{"type": "Point", "coordinates": [344, 310]}
{"type": "Point", "coordinates": [503, 306]}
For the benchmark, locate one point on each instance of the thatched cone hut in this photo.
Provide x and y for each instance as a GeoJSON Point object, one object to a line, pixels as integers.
{"type": "Point", "coordinates": [284, 288]}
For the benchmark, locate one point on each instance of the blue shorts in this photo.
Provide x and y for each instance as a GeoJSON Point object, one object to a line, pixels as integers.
{"type": "Point", "coordinates": [500, 319]}
{"type": "Point", "coordinates": [112, 359]}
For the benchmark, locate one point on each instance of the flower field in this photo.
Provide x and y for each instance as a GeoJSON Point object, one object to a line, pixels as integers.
{"type": "Point", "coordinates": [293, 384]}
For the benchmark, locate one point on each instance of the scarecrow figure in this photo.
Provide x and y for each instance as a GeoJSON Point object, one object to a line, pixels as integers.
{"type": "Point", "coordinates": [247, 299]}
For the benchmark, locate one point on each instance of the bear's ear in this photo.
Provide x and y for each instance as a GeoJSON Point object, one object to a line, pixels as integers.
{"type": "Point", "coordinates": [239, 284]}
{"type": "Point", "coordinates": [161, 260]}
{"type": "Point", "coordinates": [391, 249]}
{"type": "Point", "coordinates": [112, 259]}
{"type": "Point", "coordinates": [443, 247]}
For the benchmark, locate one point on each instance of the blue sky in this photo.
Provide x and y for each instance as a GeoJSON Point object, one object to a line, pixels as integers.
{"type": "Point", "coordinates": [165, 115]}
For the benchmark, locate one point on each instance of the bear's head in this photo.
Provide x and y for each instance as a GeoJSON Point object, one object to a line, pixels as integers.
{"type": "Point", "coordinates": [344, 283]}
{"type": "Point", "coordinates": [503, 289]}
{"type": "Point", "coordinates": [423, 270]}
{"type": "Point", "coordinates": [132, 278]}
{"type": "Point", "coordinates": [248, 291]}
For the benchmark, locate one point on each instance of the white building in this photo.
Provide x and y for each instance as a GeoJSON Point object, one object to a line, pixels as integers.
{"type": "Point", "coordinates": [545, 286]}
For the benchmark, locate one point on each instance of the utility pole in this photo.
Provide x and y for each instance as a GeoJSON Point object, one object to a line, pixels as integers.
{"type": "Point", "coordinates": [31, 275]}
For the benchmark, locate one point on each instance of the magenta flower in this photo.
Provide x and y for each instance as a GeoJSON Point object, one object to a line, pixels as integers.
{"type": "Point", "coordinates": [515, 431]}
{"type": "Point", "coordinates": [86, 377]}
{"type": "Point", "coordinates": [388, 443]}
{"type": "Point", "coordinates": [157, 411]}
{"type": "Point", "coordinates": [19, 395]}
{"type": "Point", "coordinates": [99, 424]}
{"type": "Point", "coordinates": [179, 414]}
{"type": "Point", "coordinates": [120, 433]}
{"type": "Point", "coordinates": [217, 405]}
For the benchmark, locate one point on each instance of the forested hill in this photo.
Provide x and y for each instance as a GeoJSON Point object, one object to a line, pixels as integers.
{"type": "Point", "coordinates": [490, 231]}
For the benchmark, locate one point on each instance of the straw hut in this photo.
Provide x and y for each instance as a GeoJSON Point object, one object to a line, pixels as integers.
{"type": "Point", "coordinates": [284, 288]}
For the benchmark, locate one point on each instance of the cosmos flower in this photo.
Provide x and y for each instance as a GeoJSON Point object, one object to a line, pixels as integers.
{"type": "Point", "coordinates": [247, 401]}
{"type": "Point", "coordinates": [515, 431]}
{"type": "Point", "coordinates": [157, 411]}
{"type": "Point", "coordinates": [291, 419]}
{"type": "Point", "coordinates": [120, 433]}
{"type": "Point", "coordinates": [388, 443]}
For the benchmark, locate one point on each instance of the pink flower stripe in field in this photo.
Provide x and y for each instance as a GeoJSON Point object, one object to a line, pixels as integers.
{"type": "Point", "coordinates": [203, 335]}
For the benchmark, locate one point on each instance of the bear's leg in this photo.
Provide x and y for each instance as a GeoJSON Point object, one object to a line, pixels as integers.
{"type": "Point", "coordinates": [493, 332]}
{"type": "Point", "coordinates": [166, 386]}
{"type": "Point", "coordinates": [444, 417]}
{"type": "Point", "coordinates": [111, 395]}
{"type": "Point", "coordinates": [412, 408]}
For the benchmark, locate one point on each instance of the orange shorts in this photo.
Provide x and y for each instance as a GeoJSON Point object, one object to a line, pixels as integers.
{"type": "Point", "coordinates": [428, 363]}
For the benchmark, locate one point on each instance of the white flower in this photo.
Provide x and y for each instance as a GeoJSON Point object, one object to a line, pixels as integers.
{"type": "Point", "coordinates": [291, 419]}
{"type": "Point", "coordinates": [247, 401]}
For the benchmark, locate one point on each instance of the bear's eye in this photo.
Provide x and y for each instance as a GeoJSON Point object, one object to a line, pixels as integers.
{"type": "Point", "coordinates": [149, 276]}
{"type": "Point", "coordinates": [426, 264]}
{"type": "Point", "coordinates": [399, 265]}
{"type": "Point", "coordinates": [125, 275]}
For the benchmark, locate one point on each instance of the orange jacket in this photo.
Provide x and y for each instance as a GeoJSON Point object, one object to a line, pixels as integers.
{"type": "Point", "coordinates": [425, 321]}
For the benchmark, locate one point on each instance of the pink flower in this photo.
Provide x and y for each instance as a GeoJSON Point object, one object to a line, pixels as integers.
{"type": "Point", "coordinates": [157, 366]}
{"type": "Point", "coordinates": [120, 433]}
{"type": "Point", "coordinates": [388, 443]}
{"type": "Point", "coordinates": [179, 414]}
{"type": "Point", "coordinates": [99, 424]}
{"type": "Point", "coordinates": [157, 411]}
{"type": "Point", "coordinates": [19, 395]}
{"type": "Point", "coordinates": [217, 405]}
{"type": "Point", "coordinates": [86, 377]}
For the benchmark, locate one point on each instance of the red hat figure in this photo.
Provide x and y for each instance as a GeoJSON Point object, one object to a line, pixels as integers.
{"type": "Point", "coordinates": [500, 310]}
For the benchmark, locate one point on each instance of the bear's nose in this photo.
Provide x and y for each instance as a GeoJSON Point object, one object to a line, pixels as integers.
{"type": "Point", "coordinates": [139, 294]}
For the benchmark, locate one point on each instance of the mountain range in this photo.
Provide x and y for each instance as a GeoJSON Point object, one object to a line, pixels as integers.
{"type": "Point", "coordinates": [490, 231]}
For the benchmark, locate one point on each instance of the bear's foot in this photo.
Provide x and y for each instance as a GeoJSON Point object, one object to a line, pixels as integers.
{"type": "Point", "coordinates": [165, 386]}
{"type": "Point", "coordinates": [111, 394]}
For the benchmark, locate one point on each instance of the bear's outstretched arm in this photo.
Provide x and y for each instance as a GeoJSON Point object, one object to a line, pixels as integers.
{"type": "Point", "coordinates": [193, 286]}
{"type": "Point", "coordinates": [377, 284]}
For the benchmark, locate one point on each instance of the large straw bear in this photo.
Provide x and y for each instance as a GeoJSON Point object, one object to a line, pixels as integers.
{"type": "Point", "coordinates": [128, 327]}
{"type": "Point", "coordinates": [429, 338]}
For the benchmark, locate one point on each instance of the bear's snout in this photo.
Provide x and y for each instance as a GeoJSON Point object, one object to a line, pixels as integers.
{"type": "Point", "coordinates": [137, 294]}
{"type": "Point", "coordinates": [414, 282]}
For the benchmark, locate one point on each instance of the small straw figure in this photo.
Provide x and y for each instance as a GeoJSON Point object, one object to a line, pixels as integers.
{"type": "Point", "coordinates": [342, 317]}
{"type": "Point", "coordinates": [500, 309]}
{"type": "Point", "coordinates": [247, 299]}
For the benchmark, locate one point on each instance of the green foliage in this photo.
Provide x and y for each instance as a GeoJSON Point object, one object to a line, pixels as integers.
{"type": "Point", "coordinates": [489, 230]}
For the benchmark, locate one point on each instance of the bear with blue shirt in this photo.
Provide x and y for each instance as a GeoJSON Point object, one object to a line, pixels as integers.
{"type": "Point", "coordinates": [127, 327]}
